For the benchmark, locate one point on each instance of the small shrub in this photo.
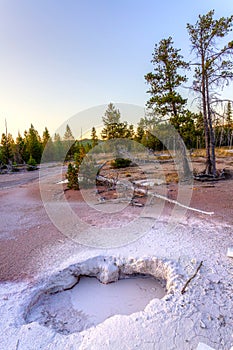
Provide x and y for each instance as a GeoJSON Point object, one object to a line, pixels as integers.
{"type": "Point", "coordinates": [31, 161]}
{"type": "Point", "coordinates": [31, 164]}
{"type": "Point", "coordinates": [15, 169]}
{"type": "Point", "coordinates": [88, 172]}
{"type": "Point", "coordinates": [121, 163]}
{"type": "Point", "coordinates": [72, 177]}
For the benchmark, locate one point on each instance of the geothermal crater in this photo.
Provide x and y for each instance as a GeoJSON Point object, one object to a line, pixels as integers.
{"type": "Point", "coordinates": [87, 293]}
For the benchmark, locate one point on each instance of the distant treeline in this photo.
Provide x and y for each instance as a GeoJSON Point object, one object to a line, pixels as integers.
{"type": "Point", "coordinates": [32, 148]}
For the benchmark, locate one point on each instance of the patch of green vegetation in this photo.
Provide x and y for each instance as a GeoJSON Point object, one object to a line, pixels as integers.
{"type": "Point", "coordinates": [32, 165]}
{"type": "Point", "coordinates": [121, 163]}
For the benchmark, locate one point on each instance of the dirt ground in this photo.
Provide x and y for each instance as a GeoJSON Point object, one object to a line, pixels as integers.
{"type": "Point", "coordinates": [26, 230]}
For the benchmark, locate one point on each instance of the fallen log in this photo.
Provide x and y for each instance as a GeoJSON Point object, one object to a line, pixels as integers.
{"type": "Point", "coordinates": [141, 192]}
{"type": "Point", "coordinates": [180, 204]}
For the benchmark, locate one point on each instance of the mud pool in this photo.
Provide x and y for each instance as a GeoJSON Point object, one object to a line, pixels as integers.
{"type": "Point", "coordinates": [90, 302]}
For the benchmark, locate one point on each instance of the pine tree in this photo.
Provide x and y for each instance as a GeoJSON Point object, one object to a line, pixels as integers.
{"type": "Point", "coordinates": [131, 132]}
{"type": "Point", "coordinates": [46, 137]}
{"type": "Point", "coordinates": [164, 81]}
{"type": "Point", "coordinates": [212, 70]}
{"type": "Point", "coordinates": [229, 123]}
{"type": "Point", "coordinates": [139, 134]}
{"type": "Point", "coordinates": [72, 177]}
{"type": "Point", "coordinates": [20, 150]}
{"type": "Point", "coordinates": [72, 174]}
{"type": "Point", "coordinates": [68, 135]}
{"type": "Point", "coordinates": [113, 127]}
{"type": "Point", "coordinates": [111, 116]}
{"type": "Point", "coordinates": [7, 148]}
{"type": "Point", "coordinates": [69, 143]}
{"type": "Point", "coordinates": [33, 144]}
{"type": "Point", "coordinates": [48, 147]}
{"type": "Point", "coordinates": [165, 100]}
{"type": "Point", "coordinates": [94, 138]}
{"type": "Point", "coordinates": [59, 151]}
{"type": "Point", "coordinates": [229, 119]}
{"type": "Point", "coordinates": [148, 127]}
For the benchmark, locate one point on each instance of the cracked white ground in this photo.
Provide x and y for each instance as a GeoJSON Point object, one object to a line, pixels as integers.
{"type": "Point", "coordinates": [203, 314]}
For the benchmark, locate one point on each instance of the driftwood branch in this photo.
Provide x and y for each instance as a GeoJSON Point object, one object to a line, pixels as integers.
{"type": "Point", "coordinates": [191, 278]}
{"type": "Point", "coordinates": [182, 205]}
{"type": "Point", "coordinates": [138, 193]}
{"type": "Point", "coordinates": [141, 192]}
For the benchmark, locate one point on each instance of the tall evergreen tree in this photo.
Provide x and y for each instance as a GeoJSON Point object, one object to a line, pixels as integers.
{"type": "Point", "coordinates": [20, 149]}
{"type": "Point", "coordinates": [113, 127]}
{"type": "Point", "coordinates": [111, 116]}
{"type": "Point", "coordinates": [94, 138]}
{"type": "Point", "coordinates": [229, 117]}
{"type": "Point", "coordinates": [48, 147]}
{"type": "Point", "coordinates": [68, 135]}
{"type": "Point", "coordinates": [229, 123]}
{"type": "Point", "coordinates": [139, 134]}
{"type": "Point", "coordinates": [213, 69]}
{"type": "Point", "coordinates": [69, 143]}
{"type": "Point", "coordinates": [148, 127]}
{"type": "Point", "coordinates": [131, 132]}
{"type": "Point", "coordinates": [165, 99]}
{"type": "Point", "coordinates": [46, 137]}
{"type": "Point", "coordinates": [59, 152]}
{"type": "Point", "coordinates": [164, 81]}
{"type": "Point", "coordinates": [7, 143]}
{"type": "Point", "coordinates": [33, 144]}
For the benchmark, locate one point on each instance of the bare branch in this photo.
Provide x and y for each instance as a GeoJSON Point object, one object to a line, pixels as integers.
{"type": "Point", "coordinates": [191, 278]}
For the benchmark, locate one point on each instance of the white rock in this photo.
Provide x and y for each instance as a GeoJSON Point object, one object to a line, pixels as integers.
{"type": "Point", "coordinates": [230, 252]}
{"type": "Point", "coordinates": [202, 346]}
{"type": "Point", "coordinates": [202, 324]}
{"type": "Point", "coordinates": [62, 182]}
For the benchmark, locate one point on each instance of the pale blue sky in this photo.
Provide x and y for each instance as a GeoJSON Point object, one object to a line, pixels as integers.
{"type": "Point", "coordinates": [59, 57]}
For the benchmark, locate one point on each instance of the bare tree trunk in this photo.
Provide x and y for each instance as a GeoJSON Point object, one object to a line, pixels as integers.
{"type": "Point", "coordinates": [220, 138]}
{"type": "Point", "coordinates": [231, 140]}
{"type": "Point", "coordinates": [182, 149]}
{"type": "Point", "coordinates": [206, 127]}
{"type": "Point", "coordinates": [185, 164]}
{"type": "Point", "coordinates": [211, 131]}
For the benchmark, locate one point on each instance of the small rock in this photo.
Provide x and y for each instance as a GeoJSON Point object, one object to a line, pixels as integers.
{"type": "Point", "coordinates": [230, 252]}
{"type": "Point", "coordinates": [215, 278]}
{"type": "Point", "coordinates": [222, 321]}
{"type": "Point", "coordinates": [202, 324]}
{"type": "Point", "coordinates": [202, 346]}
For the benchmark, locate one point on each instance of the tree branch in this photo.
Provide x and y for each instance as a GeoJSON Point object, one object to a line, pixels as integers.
{"type": "Point", "coordinates": [191, 278]}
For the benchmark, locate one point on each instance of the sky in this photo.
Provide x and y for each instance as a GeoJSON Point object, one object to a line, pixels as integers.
{"type": "Point", "coordinates": [61, 57]}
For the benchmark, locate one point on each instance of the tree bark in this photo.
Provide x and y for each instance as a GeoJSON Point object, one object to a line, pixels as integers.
{"type": "Point", "coordinates": [208, 169]}
{"type": "Point", "coordinates": [211, 131]}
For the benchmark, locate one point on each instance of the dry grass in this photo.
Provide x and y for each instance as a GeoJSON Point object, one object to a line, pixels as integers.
{"type": "Point", "coordinates": [220, 152]}
{"type": "Point", "coordinates": [223, 152]}
{"type": "Point", "coordinates": [172, 177]}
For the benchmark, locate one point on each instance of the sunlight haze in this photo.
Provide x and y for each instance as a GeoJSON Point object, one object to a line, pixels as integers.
{"type": "Point", "coordinates": [61, 57]}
